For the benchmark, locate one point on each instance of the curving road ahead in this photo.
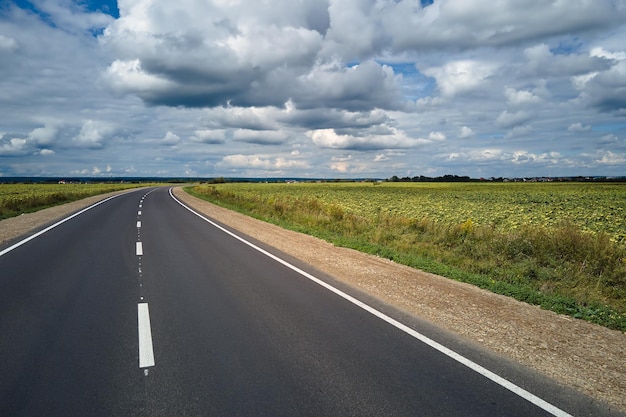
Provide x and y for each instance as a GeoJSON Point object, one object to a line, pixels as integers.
{"type": "Point", "coordinates": [138, 306]}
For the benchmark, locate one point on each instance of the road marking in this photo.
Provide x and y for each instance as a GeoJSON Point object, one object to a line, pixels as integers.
{"type": "Point", "coordinates": [139, 249]}
{"type": "Point", "coordinates": [519, 391]}
{"type": "Point", "coordinates": [146, 352]}
{"type": "Point", "coordinates": [41, 232]}
{"type": "Point", "coordinates": [138, 224]}
{"type": "Point", "coordinates": [139, 213]}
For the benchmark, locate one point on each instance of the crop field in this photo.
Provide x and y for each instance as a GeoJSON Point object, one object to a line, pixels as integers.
{"type": "Point", "coordinates": [16, 199]}
{"type": "Point", "coordinates": [505, 206]}
{"type": "Point", "coordinates": [558, 245]}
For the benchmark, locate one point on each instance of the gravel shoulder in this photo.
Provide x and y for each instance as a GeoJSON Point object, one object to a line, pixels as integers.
{"type": "Point", "coordinates": [583, 356]}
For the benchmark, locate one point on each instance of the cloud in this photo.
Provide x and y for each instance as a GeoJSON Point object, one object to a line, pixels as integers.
{"type": "Point", "coordinates": [93, 134]}
{"type": "Point", "coordinates": [355, 30]}
{"type": "Point", "coordinates": [7, 44]}
{"type": "Point", "coordinates": [612, 55]}
{"type": "Point", "coordinates": [322, 118]}
{"type": "Point", "coordinates": [464, 24]}
{"type": "Point", "coordinates": [393, 139]}
{"type": "Point", "coordinates": [11, 145]}
{"type": "Point", "coordinates": [170, 139]}
{"type": "Point", "coordinates": [607, 90]}
{"type": "Point", "coordinates": [270, 125]}
{"type": "Point", "coordinates": [520, 98]}
{"type": "Point", "coordinates": [242, 56]}
{"type": "Point", "coordinates": [461, 77]}
{"type": "Point", "coordinates": [436, 136]}
{"type": "Point", "coordinates": [610, 158]}
{"type": "Point", "coordinates": [44, 135]}
{"type": "Point", "coordinates": [610, 139]}
{"type": "Point", "coordinates": [260, 137]}
{"type": "Point", "coordinates": [260, 162]}
{"type": "Point", "coordinates": [578, 127]}
{"type": "Point", "coordinates": [350, 165]}
{"type": "Point", "coordinates": [358, 88]}
{"type": "Point", "coordinates": [518, 157]}
{"type": "Point", "coordinates": [519, 131]}
{"type": "Point", "coordinates": [466, 132]}
{"type": "Point", "coordinates": [213, 137]}
{"type": "Point", "coordinates": [254, 118]}
{"type": "Point", "coordinates": [72, 16]}
{"type": "Point", "coordinates": [508, 120]}
{"type": "Point", "coordinates": [543, 62]}
{"type": "Point", "coordinates": [129, 77]}
{"type": "Point", "coordinates": [525, 157]}
{"type": "Point", "coordinates": [55, 134]}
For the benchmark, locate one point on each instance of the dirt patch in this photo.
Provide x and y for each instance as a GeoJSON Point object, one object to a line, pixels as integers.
{"type": "Point", "coordinates": [584, 356]}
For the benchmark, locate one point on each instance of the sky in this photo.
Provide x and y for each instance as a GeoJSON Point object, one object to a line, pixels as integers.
{"type": "Point", "coordinates": [312, 88]}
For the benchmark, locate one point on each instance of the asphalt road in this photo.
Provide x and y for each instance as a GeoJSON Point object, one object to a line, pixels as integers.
{"type": "Point", "coordinates": [139, 307]}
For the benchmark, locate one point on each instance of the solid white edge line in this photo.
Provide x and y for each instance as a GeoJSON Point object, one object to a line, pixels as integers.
{"type": "Point", "coordinates": [546, 406]}
{"type": "Point", "coordinates": [41, 232]}
{"type": "Point", "coordinates": [146, 352]}
{"type": "Point", "coordinates": [139, 249]}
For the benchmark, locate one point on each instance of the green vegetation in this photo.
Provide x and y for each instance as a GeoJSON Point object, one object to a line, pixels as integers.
{"type": "Point", "coordinates": [560, 246]}
{"type": "Point", "coordinates": [16, 199]}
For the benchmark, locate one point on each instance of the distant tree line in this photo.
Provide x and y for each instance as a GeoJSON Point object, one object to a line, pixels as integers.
{"type": "Point", "coordinates": [457, 178]}
{"type": "Point", "coordinates": [421, 178]}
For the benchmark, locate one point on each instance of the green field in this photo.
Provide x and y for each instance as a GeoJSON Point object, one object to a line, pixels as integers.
{"type": "Point", "coordinates": [558, 245]}
{"type": "Point", "coordinates": [16, 199]}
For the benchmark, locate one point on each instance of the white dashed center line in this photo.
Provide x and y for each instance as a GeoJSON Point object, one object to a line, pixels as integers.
{"type": "Point", "coordinates": [146, 353]}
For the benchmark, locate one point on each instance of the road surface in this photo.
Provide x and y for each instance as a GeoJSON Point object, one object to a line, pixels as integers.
{"type": "Point", "coordinates": [138, 306]}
